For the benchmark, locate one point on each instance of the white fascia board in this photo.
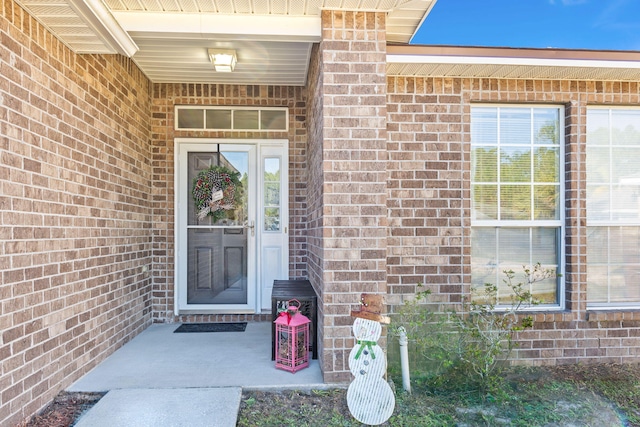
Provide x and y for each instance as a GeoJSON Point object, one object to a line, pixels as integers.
{"type": "Point", "coordinates": [424, 17]}
{"type": "Point", "coordinates": [486, 60]}
{"type": "Point", "coordinates": [99, 19]}
{"type": "Point", "coordinates": [205, 25]}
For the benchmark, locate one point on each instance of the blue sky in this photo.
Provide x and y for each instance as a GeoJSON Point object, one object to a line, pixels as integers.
{"type": "Point", "coordinates": [570, 24]}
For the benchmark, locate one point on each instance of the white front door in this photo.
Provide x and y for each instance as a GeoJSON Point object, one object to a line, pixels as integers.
{"type": "Point", "coordinates": [226, 257]}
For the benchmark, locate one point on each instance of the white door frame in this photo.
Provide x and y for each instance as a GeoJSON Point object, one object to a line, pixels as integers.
{"type": "Point", "coordinates": [261, 242]}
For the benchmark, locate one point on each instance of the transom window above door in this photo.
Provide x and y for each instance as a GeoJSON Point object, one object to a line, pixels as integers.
{"type": "Point", "coordinates": [190, 117]}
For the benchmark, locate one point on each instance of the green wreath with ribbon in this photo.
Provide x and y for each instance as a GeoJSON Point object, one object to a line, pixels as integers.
{"type": "Point", "coordinates": [216, 191]}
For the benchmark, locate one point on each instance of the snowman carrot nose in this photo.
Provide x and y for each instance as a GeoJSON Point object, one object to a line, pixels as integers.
{"type": "Point", "coordinates": [364, 344]}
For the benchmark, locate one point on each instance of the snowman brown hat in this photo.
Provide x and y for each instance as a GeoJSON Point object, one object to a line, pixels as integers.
{"type": "Point", "coordinates": [371, 308]}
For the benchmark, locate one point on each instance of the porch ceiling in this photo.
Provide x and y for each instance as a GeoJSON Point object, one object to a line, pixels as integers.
{"type": "Point", "coordinates": [168, 39]}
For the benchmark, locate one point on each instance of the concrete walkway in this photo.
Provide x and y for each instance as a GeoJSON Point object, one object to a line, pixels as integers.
{"type": "Point", "coordinates": [183, 407]}
{"type": "Point", "coordinates": [162, 378]}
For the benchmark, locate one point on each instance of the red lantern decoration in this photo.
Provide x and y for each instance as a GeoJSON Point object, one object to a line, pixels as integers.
{"type": "Point", "coordinates": [292, 339]}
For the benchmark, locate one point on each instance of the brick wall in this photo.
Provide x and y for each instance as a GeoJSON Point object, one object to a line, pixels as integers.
{"type": "Point", "coordinates": [429, 201]}
{"type": "Point", "coordinates": [315, 187]}
{"type": "Point", "coordinates": [165, 98]}
{"type": "Point", "coordinates": [75, 223]}
{"type": "Point", "coordinates": [351, 223]}
{"type": "Point", "coordinates": [429, 189]}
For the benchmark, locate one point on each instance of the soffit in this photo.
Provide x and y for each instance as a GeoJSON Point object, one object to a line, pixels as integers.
{"type": "Point", "coordinates": [273, 38]}
{"type": "Point", "coordinates": [86, 27]}
{"type": "Point", "coordinates": [404, 16]}
{"type": "Point", "coordinates": [508, 63]}
{"type": "Point", "coordinates": [267, 62]}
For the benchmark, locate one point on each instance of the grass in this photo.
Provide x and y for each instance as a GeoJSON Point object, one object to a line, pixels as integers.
{"type": "Point", "coordinates": [294, 408]}
{"type": "Point", "coordinates": [591, 395]}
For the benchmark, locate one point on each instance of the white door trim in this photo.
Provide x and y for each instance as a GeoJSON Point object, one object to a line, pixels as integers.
{"type": "Point", "coordinates": [259, 273]}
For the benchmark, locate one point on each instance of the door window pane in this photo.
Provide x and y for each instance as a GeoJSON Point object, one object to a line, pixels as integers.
{"type": "Point", "coordinates": [271, 219]}
{"type": "Point", "coordinates": [233, 206]}
{"type": "Point", "coordinates": [216, 259]}
{"type": "Point", "coordinates": [272, 197]}
{"type": "Point", "coordinates": [197, 163]}
{"type": "Point", "coordinates": [272, 193]}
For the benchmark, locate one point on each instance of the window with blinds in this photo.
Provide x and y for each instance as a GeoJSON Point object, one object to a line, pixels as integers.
{"type": "Point", "coordinates": [516, 197]}
{"type": "Point", "coordinates": [613, 207]}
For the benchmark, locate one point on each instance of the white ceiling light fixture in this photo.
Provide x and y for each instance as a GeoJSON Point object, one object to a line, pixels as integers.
{"type": "Point", "coordinates": [223, 60]}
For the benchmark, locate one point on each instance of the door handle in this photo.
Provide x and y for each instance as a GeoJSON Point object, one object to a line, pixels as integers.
{"type": "Point", "coordinates": [252, 226]}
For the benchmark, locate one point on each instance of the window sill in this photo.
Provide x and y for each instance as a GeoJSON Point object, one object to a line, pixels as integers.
{"type": "Point", "coordinates": [613, 314]}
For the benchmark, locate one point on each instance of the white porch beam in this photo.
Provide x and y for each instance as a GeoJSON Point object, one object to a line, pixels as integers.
{"type": "Point", "coordinates": [204, 25]}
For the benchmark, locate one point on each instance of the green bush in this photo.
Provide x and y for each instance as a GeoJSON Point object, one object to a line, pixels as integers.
{"type": "Point", "coordinates": [464, 348]}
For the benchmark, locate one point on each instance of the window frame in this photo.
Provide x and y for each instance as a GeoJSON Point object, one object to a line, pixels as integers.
{"type": "Point", "coordinates": [557, 224]}
{"type": "Point", "coordinates": [233, 111]}
{"type": "Point", "coordinates": [609, 224]}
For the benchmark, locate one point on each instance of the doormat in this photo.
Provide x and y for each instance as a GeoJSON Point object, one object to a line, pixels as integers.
{"type": "Point", "coordinates": [212, 327]}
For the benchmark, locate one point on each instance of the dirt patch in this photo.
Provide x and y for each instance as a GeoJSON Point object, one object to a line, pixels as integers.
{"type": "Point", "coordinates": [65, 410]}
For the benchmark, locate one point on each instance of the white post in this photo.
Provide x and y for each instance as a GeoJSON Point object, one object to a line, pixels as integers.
{"type": "Point", "coordinates": [404, 360]}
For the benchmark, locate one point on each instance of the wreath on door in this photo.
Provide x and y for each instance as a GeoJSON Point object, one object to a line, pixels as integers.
{"type": "Point", "coordinates": [215, 191]}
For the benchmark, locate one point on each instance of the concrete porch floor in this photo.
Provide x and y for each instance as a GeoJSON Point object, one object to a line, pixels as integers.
{"type": "Point", "coordinates": [152, 379]}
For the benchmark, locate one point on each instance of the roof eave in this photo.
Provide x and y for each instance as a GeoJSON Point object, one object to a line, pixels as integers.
{"type": "Point", "coordinates": [490, 62]}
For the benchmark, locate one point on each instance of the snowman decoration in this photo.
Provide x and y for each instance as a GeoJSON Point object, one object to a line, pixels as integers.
{"type": "Point", "coordinates": [369, 397]}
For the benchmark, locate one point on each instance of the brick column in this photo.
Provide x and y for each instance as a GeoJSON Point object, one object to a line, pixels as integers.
{"type": "Point", "coordinates": [354, 157]}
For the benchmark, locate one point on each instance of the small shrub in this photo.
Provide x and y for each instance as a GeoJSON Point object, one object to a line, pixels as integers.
{"type": "Point", "coordinates": [465, 349]}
